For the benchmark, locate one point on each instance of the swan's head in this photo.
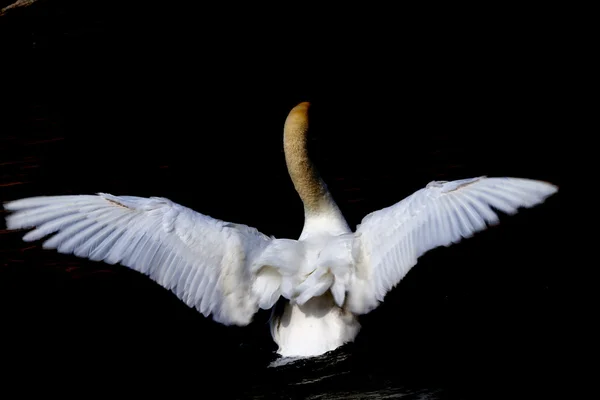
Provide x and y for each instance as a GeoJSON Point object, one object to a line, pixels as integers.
{"type": "Point", "coordinates": [308, 183]}
{"type": "Point", "coordinates": [296, 123]}
{"type": "Point", "coordinates": [295, 131]}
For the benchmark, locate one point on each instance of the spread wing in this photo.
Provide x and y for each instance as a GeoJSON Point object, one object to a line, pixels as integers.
{"type": "Point", "coordinates": [389, 241]}
{"type": "Point", "coordinates": [222, 269]}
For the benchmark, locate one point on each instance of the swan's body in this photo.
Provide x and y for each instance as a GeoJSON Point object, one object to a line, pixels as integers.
{"type": "Point", "coordinates": [327, 277]}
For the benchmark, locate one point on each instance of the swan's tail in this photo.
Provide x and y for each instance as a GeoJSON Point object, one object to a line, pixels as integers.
{"type": "Point", "coordinates": [276, 271]}
{"type": "Point", "coordinates": [332, 273]}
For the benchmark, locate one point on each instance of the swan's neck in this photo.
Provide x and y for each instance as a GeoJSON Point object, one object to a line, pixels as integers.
{"type": "Point", "coordinates": [318, 202]}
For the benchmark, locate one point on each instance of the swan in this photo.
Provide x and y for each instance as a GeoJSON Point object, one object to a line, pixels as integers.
{"type": "Point", "coordinates": [326, 278]}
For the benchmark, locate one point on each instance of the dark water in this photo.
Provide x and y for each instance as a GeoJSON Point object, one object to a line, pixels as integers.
{"type": "Point", "coordinates": [188, 102]}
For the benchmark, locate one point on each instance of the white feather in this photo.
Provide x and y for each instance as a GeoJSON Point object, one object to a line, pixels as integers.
{"type": "Point", "coordinates": [198, 257]}
{"type": "Point", "coordinates": [443, 213]}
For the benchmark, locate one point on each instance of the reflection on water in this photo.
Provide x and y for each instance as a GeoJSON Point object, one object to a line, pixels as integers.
{"type": "Point", "coordinates": [339, 374]}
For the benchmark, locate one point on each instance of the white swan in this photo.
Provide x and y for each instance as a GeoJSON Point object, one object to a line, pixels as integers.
{"type": "Point", "coordinates": [327, 277]}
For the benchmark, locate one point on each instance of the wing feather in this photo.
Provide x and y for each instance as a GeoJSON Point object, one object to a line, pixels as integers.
{"type": "Point", "coordinates": [210, 264]}
{"type": "Point", "coordinates": [390, 241]}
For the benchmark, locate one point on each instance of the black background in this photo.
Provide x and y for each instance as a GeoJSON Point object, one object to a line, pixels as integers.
{"type": "Point", "coordinates": [188, 102]}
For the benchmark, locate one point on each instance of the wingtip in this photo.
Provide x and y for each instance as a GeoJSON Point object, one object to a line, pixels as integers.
{"type": "Point", "coordinates": [551, 188]}
{"type": "Point", "coordinates": [10, 225]}
{"type": "Point", "coordinates": [23, 203]}
{"type": "Point", "coordinates": [7, 205]}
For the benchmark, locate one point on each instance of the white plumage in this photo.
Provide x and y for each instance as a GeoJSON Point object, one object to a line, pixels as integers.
{"type": "Point", "coordinates": [211, 265]}
{"type": "Point", "coordinates": [229, 271]}
{"type": "Point", "coordinates": [392, 239]}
